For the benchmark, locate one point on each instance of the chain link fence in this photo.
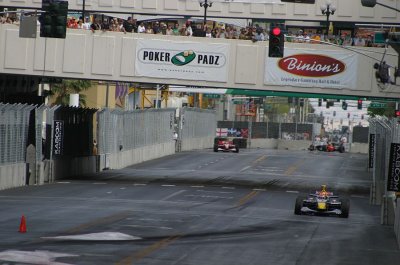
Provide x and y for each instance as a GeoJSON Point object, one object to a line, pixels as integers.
{"type": "Point", "coordinates": [123, 130]}
{"type": "Point", "coordinates": [14, 126]}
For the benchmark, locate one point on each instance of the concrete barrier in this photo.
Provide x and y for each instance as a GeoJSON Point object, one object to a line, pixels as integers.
{"type": "Point", "coordinates": [12, 176]}
{"type": "Point", "coordinates": [263, 143]}
{"type": "Point", "coordinates": [135, 156]}
{"type": "Point", "coordinates": [358, 148]}
{"type": "Point", "coordinates": [397, 220]}
{"type": "Point", "coordinates": [197, 143]}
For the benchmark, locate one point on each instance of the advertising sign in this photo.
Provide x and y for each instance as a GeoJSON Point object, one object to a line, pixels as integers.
{"type": "Point", "coordinates": [394, 168]}
{"type": "Point", "coordinates": [371, 152]}
{"type": "Point", "coordinates": [182, 60]}
{"type": "Point", "coordinates": [312, 68]}
{"type": "Point", "coordinates": [58, 137]}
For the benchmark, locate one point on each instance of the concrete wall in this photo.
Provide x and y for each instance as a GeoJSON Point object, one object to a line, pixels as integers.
{"type": "Point", "coordinates": [12, 176]}
{"type": "Point", "coordinates": [197, 143]}
{"type": "Point", "coordinates": [397, 220]}
{"type": "Point", "coordinates": [359, 148]}
{"type": "Point", "coordinates": [264, 143]}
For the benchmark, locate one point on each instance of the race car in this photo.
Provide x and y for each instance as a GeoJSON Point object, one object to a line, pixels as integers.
{"type": "Point", "coordinates": [322, 202]}
{"type": "Point", "coordinates": [330, 147]}
{"type": "Point", "coordinates": [225, 145]}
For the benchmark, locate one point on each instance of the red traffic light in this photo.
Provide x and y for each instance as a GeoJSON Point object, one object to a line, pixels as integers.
{"type": "Point", "coordinates": [276, 31]}
{"type": "Point", "coordinates": [397, 113]}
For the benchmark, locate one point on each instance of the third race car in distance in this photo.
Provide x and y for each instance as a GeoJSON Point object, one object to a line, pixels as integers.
{"type": "Point", "coordinates": [322, 202]}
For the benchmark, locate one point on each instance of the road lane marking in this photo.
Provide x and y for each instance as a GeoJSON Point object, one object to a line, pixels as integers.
{"type": "Point", "coordinates": [292, 191]}
{"type": "Point", "coordinates": [259, 189]}
{"type": "Point", "coordinates": [199, 186]}
{"type": "Point", "coordinates": [168, 185]}
{"type": "Point", "coordinates": [139, 184]}
{"type": "Point", "coordinates": [247, 198]}
{"type": "Point", "coordinates": [173, 195]}
{"type": "Point", "coordinates": [260, 159]}
{"type": "Point", "coordinates": [151, 226]}
{"type": "Point", "coordinates": [149, 250]}
{"type": "Point", "coordinates": [294, 167]}
{"type": "Point", "coordinates": [245, 168]}
{"type": "Point", "coordinates": [99, 221]}
{"type": "Point", "coordinates": [229, 188]}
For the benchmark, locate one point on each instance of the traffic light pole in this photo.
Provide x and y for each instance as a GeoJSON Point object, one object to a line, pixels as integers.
{"type": "Point", "coordinates": [83, 11]}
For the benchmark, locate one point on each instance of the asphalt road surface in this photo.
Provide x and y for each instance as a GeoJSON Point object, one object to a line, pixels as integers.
{"type": "Point", "coordinates": [199, 208]}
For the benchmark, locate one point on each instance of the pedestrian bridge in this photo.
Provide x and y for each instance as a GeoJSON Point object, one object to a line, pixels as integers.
{"type": "Point", "coordinates": [199, 62]}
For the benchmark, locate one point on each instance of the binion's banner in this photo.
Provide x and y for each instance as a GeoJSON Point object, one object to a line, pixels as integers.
{"type": "Point", "coordinates": [182, 60]}
{"type": "Point", "coordinates": [393, 183]}
{"type": "Point", "coordinates": [312, 68]}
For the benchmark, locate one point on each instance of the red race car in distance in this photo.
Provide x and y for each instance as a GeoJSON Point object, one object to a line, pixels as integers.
{"type": "Point", "coordinates": [225, 145]}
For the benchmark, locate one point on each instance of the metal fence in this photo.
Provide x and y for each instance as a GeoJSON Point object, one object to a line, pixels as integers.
{"type": "Point", "coordinates": [198, 123]}
{"type": "Point", "coordinates": [123, 130]}
{"type": "Point", "coordinates": [271, 130]}
{"type": "Point", "coordinates": [14, 126]}
{"type": "Point", "coordinates": [385, 132]}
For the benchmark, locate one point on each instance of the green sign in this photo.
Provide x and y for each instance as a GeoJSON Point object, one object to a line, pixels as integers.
{"type": "Point", "coordinates": [377, 105]}
{"type": "Point", "coordinates": [211, 95]}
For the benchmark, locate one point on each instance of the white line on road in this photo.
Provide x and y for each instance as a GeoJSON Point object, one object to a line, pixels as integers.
{"type": "Point", "coordinates": [245, 168]}
{"type": "Point", "coordinates": [197, 186]}
{"type": "Point", "coordinates": [149, 226]}
{"type": "Point", "coordinates": [168, 185]}
{"type": "Point", "coordinates": [173, 195]}
{"type": "Point", "coordinates": [292, 191]}
{"type": "Point", "coordinates": [139, 184]}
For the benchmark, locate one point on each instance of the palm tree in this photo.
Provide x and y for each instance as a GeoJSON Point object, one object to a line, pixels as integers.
{"type": "Point", "coordinates": [67, 87]}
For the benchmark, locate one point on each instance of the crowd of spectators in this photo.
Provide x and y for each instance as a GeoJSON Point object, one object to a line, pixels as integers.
{"type": "Point", "coordinates": [254, 33]}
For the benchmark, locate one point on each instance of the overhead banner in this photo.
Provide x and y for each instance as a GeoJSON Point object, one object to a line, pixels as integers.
{"type": "Point", "coordinates": [371, 153]}
{"type": "Point", "coordinates": [312, 68]}
{"type": "Point", "coordinates": [182, 60]}
{"type": "Point", "coordinates": [394, 168]}
{"type": "Point", "coordinates": [244, 1]}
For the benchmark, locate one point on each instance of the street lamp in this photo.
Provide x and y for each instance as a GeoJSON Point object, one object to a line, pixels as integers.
{"type": "Point", "coordinates": [327, 9]}
{"type": "Point", "coordinates": [206, 4]}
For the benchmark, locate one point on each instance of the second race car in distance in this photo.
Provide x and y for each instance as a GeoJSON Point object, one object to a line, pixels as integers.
{"type": "Point", "coordinates": [322, 202]}
{"type": "Point", "coordinates": [225, 145]}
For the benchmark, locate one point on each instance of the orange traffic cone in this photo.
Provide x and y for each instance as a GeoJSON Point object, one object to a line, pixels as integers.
{"type": "Point", "coordinates": [22, 226]}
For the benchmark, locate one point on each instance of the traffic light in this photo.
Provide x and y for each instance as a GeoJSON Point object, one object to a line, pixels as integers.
{"type": "Point", "coordinates": [359, 104]}
{"type": "Point", "coordinates": [344, 105]}
{"type": "Point", "coordinates": [397, 113]}
{"type": "Point", "coordinates": [276, 42]}
{"type": "Point", "coordinates": [53, 22]}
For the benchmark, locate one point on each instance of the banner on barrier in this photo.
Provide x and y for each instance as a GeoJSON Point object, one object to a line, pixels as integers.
{"type": "Point", "coordinates": [182, 60]}
{"type": "Point", "coordinates": [394, 168]}
{"type": "Point", "coordinates": [312, 68]}
{"type": "Point", "coordinates": [58, 138]}
{"type": "Point", "coordinates": [371, 153]}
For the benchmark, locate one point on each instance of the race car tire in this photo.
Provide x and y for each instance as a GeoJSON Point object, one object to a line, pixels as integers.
{"type": "Point", "coordinates": [345, 208]}
{"type": "Point", "coordinates": [237, 149]}
{"type": "Point", "coordinates": [215, 148]}
{"type": "Point", "coordinates": [341, 149]}
{"type": "Point", "coordinates": [298, 205]}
